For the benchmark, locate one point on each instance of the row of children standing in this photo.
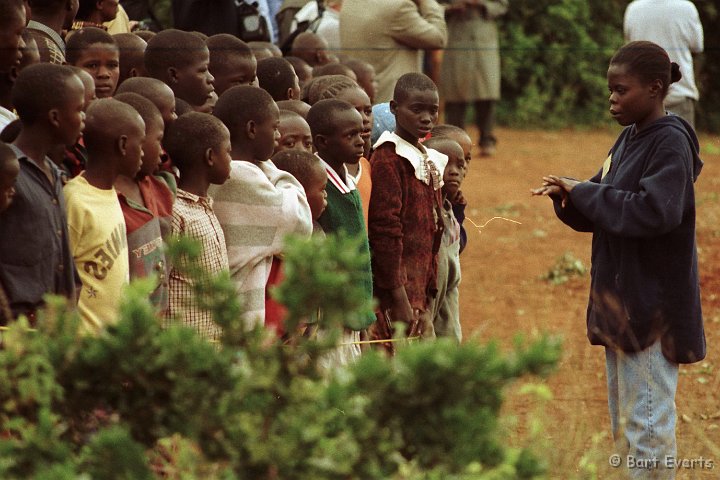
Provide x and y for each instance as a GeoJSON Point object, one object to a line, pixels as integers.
{"type": "Point", "coordinates": [106, 172]}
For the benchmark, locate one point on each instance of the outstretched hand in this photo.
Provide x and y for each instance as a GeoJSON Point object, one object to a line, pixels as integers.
{"type": "Point", "coordinates": [554, 185]}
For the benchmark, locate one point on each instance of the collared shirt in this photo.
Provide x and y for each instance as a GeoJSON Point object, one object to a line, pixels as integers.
{"type": "Point", "coordinates": [428, 164]}
{"type": "Point", "coordinates": [334, 178]}
{"type": "Point", "coordinates": [193, 216]}
{"type": "Point", "coordinates": [35, 255]}
{"type": "Point", "coordinates": [50, 44]}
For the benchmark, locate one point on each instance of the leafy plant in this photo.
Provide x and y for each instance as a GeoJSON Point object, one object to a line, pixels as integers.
{"type": "Point", "coordinates": [565, 267]}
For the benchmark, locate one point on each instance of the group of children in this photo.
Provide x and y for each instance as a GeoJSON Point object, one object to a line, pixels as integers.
{"type": "Point", "coordinates": [137, 140]}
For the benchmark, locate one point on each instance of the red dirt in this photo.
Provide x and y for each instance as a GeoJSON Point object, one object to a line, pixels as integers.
{"type": "Point", "coordinates": [502, 295]}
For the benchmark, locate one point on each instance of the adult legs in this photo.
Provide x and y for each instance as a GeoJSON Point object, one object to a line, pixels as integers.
{"type": "Point", "coordinates": [485, 121]}
{"type": "Point", "coordinates": [641, 400]}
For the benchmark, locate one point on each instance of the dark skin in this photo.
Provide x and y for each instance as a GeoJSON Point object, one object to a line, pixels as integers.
{"type": "Point", "coordinates": [415, 115]}
{"type": "Point", "coordinates": [250, 143]}
{"type": "Point", "coordinates": [120, 154]}
{"type": "Point", "coordinates": [632, 102]}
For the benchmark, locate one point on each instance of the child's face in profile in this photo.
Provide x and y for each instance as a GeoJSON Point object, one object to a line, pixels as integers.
{"type": "Point", "coordinates": [294, 134]}
{"type": "Point", "coordinates": [416, 114]}
{"type": "Point", "coordinates": [11, 41]}
{"type": "Point", "coordinates": [221, 158]}
{"type": "Point", "coordinates": [463, 139]}
{"type": "Point", "coordinates": [454, 171]}
{"type": "Point", "coordinates": [345, 144]}
{"type": "Point", "coordinates": [194, 83]}
{"type": "Point", "coordinates": [133, 160]}
{"type": "Point", "coordinates": [361, 101]}
{"type": "Point", "coordinates": [315, 191]}
{"type": "Point", "coordinates": [237, 71]}
{"type": "Point", "coordinates": [102, 62]}
{"type": "Point", "coordinates": [166, 105]}
{"type": "Point", "coordinates": [152, 146]}
{"type": "Point", "coordinates": [8, 175]}
{"type": "Point", "coordinates": [267, 135]}
{"type": "Point", "coordinates": [89, 85]}
{"type": "Point", "coordinates": [71, 115]}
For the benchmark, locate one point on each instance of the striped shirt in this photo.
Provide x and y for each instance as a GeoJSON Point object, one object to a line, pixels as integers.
{"type": "Point", "coordinates": [193, 216]}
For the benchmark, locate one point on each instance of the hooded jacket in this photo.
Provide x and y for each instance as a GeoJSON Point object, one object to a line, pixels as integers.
{"type": "Point", "coordinates": [644, 276]}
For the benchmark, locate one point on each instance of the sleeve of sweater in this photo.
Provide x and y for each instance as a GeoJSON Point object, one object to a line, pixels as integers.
{"type": "Point", "coordinates": [657, 206]}
{"type": "Point", "coordinates": [419, 25]}
{"type": "Point", "coordinates": [570, 215]}
{"type": "Point", "coordinates": [257, 207]}
{"type": "Point", "coordinates": [386, 230]}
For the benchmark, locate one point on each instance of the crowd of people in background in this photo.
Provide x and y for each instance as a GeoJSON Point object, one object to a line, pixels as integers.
{"type": "Point", "coordinates": [238, 124]}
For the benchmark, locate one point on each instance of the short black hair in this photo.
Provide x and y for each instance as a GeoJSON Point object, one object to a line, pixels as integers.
{"type": "Point", "coordinates": [445, 129]}
{"type": "Point", "coordinates": [648, 61]}
{"type": "Point", "coordinates": [150, 88]}
{"type": "Point", "coordinates": [190, 136]}
{"type": "Point", "coordinates": [333, 69]}
{"type": "Point", "coordinates": [81, 39]}
{"type": "Point", "coordinates": [7, 154]}
{"type": "Point", "coordinates": [442, 143]}
{"type": "Point", "coordinates": [297, 106]}
{"type": "Point", "coordinates": [144, 34]}
{"type": "Point", "coordinates": [182, 107]}
{"type": "Point", "coordinates": [40, 88]}
{"type": "Point", "coordinates": [298, 64]}
{"type": "Point", "coordinates": [276, 75]}
{"type": "Point", "coordinates": [172, 48]}
{"type": "Point", "coordinates": [333, 88]}
{"type": "Point", "coordinates": [11, 131]}
{"type": "Point", "coordinates": [317, 85]}
{"type": "Point", "coordinates": [321, 116]}
{"type": "Point", "coordinates": [412, 81]}
{"type": "Point", "coordinates": [240, 104]}
{"type": "Point", "coordinates": [105, 115]}
{"type": "Point", "coordinates": [223, 46]}
{"type": "Point", "coordinates": [298, 163]}
{"type": "Point", "coordinates": [147, 109]}
{"type": "Point", "coordinates": [132, 53]}
{"type": "Point", "coordinates": [8, 9]}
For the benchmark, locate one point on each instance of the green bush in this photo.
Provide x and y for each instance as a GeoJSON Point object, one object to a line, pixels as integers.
{"type": "Point", "coordinates": [143, 402]}
{"type": "Point", "coordinates": [555, 55]}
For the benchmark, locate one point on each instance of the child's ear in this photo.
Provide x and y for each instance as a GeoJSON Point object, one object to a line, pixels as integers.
{"type": "Point", "coordinates": [393, 107]}
{"type": "Point", "coordinates": [209, 157]}
{"type": "Point", "coordinates": [53, 116]}
{"type": "Point", "coordinates": [320, 141]}
{"type": "Point", "coordinates": [172, 74]}
{"type": "Point", "coordinates": [656, 88]}
{"type": "Point", "coordinates": [290, 94]}
{"type": "Point", "coordinates": [133, 73]}
{"type": "Point", "coordinates": [250, 129]}
{"type": "Point", "coordinates": [122, 144]}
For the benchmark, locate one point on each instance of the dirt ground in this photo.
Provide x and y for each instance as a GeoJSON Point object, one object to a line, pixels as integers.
{"type": "Point", "coordinates": [502, 294]}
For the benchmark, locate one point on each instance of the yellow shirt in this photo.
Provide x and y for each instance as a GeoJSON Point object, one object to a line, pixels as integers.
{"type": "Point", "coordinates": [98, 243]}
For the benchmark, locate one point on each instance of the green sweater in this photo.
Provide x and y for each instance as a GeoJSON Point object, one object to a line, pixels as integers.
{"type": "Point", "coordinates": [344, 213]}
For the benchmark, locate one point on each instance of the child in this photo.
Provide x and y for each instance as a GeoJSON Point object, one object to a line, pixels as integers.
{"type": "Point", "coordinates": [95, 51]}
{"type": "Point", "coordinates": [337, 129]}
{"type": "Point", "coordinates": [155, 91]}
{"type": "Point", "coordinates": [259, 205]}
{"type": "Point", "coordinates": [446, 304]}
{"type": "Point", "coordinates": [12, 24]}
{"type": "Point", "coordinates": [9, 170]}
{"type": "Point", "coordinates": [113, 136]}
{"type": "Point", "coordinates": [132, 56]}
{"type": "Point", "coordinates": [310, 47]}
{"type": "Point", "coordinates": [278, 78]}
{"type": "Point", "coordinates": [365, 74]}
{"type": "Point", "coordinates": [349, 91]}
{"type": "Point", "coordinates": [307, 169]}
{"type": "Point", "coordinates": [147, 203]}
{"type": "Point", "coordinates": [231, 62]}
{"type": "Point", "coordinates": [200, 147]}
{"type": "Point", "coordinates": [457, 200]}
{"type": "Point", "coordinates": [645, 297]}
{"type": "Point", "coordinates": [294, 133]}
{"type": "Point", "coordinates": [405, 219]}
{"type": "Point", "coordinates": [74, 156]}
{"type": "Point", "coordinates": [181, 59]}
{"type": "Point", "coordinates": [35, 256]}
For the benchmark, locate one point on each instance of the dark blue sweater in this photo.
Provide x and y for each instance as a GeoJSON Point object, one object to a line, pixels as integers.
{"type": "Point", "coordinates": [644, 284]}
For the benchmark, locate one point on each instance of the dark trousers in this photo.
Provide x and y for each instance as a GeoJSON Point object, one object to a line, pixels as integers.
{"type": "Point", "coordinates": [484, 118]}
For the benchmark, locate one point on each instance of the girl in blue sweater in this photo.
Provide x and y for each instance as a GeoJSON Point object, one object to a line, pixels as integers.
{"type": "Point", "coordinates": [644, 303]}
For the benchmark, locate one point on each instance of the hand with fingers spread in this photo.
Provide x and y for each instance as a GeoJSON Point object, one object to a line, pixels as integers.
{"type": "Point", "coordinates": [557, 186]}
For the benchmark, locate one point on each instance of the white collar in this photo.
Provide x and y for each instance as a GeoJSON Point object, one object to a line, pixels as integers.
{"type": "Point", "coordinates": [415, 156]}
{"type": "Point", "coordinates": [335, 179]}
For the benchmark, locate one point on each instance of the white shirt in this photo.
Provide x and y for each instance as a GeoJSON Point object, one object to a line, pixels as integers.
{"type": "Point", "coordinates": [675, 26]}
{"type": "Point", "coordinates": [416, 157]}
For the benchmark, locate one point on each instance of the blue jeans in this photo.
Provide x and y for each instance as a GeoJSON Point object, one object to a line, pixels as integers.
{"type": "Point", "coordinates": [641, 398]}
